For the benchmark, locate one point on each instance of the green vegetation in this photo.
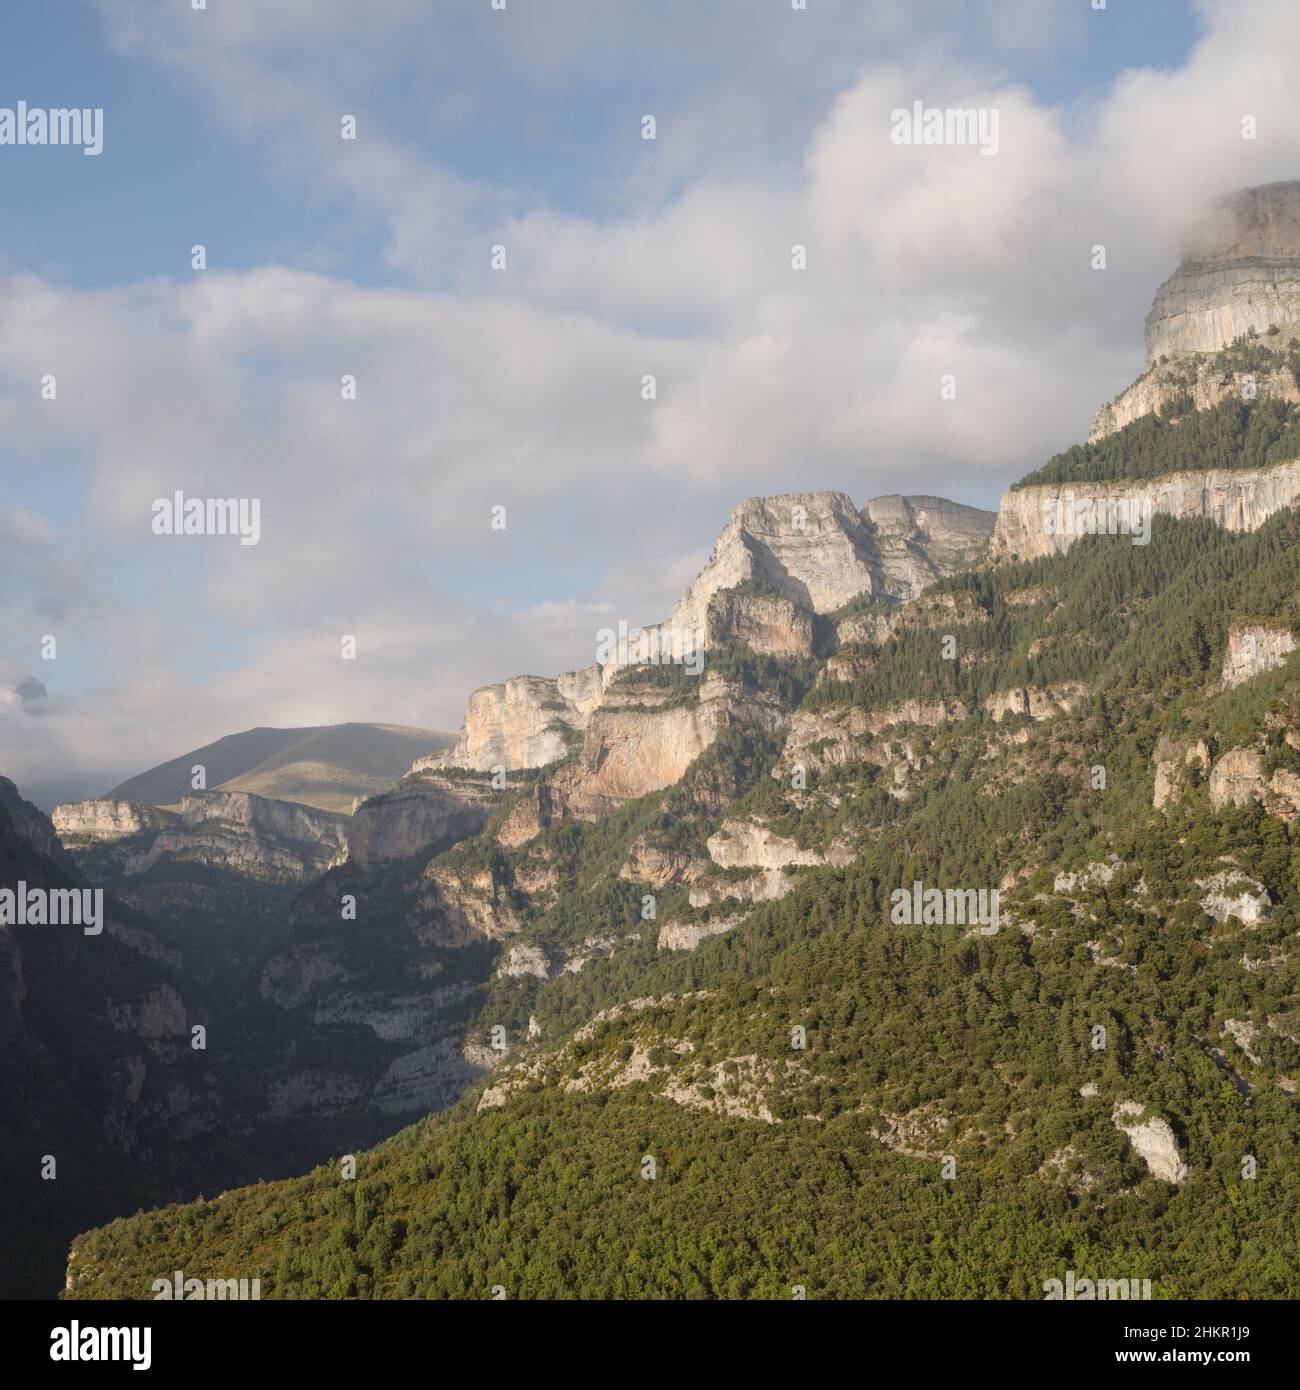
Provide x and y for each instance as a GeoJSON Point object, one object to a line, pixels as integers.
{"type": "Point", "coordinates": [1235, 434]}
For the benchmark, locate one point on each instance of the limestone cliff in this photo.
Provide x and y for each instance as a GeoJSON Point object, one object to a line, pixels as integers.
{"type": "Point", "coordinates": [1028, 524]}
{"type": "Point", "coordinates": [1060, 698]}
{"type": "Point", "coordinates": [1240, 271]}
{"type": "Point", "coordinates": [420, 816]}
{"type": "Point", "coordinates": [524, 722]}
{"type": "Point", "coordinates": [779, 563]}
{"type": "Point", "coordinates": [1223, 323]}
{"type": "Point", "coordinates": [628, 752]}
{"type": "Point", "coordinates": [769, 624]}
{"type": "Point", "coordinates": [819, 551]}
{"type": "Point", "coordinates": [1222, 327]}
{"type": "Point", "coordinates": [84, 822]}
{"type": "Point", "coordinates": [749, 843]}
{"type": "Point", "coordinates": [276, 841]}
{"type": "Point", "coordinates": [1238, 778]}
{"type": "Point", "coordinates": [1199, 384]}
{"type": "Point", "coordinates": [923, 539]}
{"type": "Point", "coordinates": [1254, 648]}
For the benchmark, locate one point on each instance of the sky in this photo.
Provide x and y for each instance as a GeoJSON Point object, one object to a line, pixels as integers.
{"type": "Point", "coordinates": [480, 386]}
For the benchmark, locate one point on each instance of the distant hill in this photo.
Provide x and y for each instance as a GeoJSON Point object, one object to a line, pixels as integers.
{"type": "Point", "coordinates": [325, 766]}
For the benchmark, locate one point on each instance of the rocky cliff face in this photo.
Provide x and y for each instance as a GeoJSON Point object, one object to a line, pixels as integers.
{"type": "Point", "coordinates": [87, 822]}
{"type": "Point", "coordinates": [422, 815]}
{"type": "Point", "coordinates": [1237, 499]}
{"type": "Point", "coordinates": [1174, 759]}
{"type": "Point", "coordinates": [923, 539]}
{"type": "Point", "coordinates": [1036, 704]}
{"type": "Point", "coordinates": [628, 752]}
{"type": "Point", "coordinates": [819, 551]}
{"type": "Point", "coordinates": [1238, 778]}
{"type": "Point", "coordinates": [747, 843]}
{"type": "Point", "coordinates": [1208, 341]}
{"type": "Point", "coordinates": [1254, 648]}
{"type": "Point", "coordinates": [276, 841]}
{"type": "Point", "coordinates": [1204, 382]}
{"type": "Point", "coordinates": [524, 722]}
{"type": "Point", "coordinates": [779, 563]}
{"type": "Point", "coordinates": [1240, 271]}
{"type": "Point", "coordinates": [769, 624]}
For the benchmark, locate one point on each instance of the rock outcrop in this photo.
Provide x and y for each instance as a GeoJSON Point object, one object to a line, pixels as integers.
{"type": "Point", "coordinates": [1232, 894]}
{"type": "Point", "coordinates": [647, 863]}
{"type": "Point", "coordinates": [750, 843]}
{"type": "Point", "coordinates": [883, 737]}
{"type": "Point", "coordinates": [525, 958]}
{"type": "Point", "coordinates": [1154, 1140]}
{"type": "Point", "coordinates": [1239, 272]}
{"type": "Point", "coordinates": [524, 722]}
{"type": "Point", "coordinates": [769, 624]}
{"type": "Point", "coordinates": [1238, 778]}
{"type": "Point", "coordinates": [1254, 648]}
{"type": "Point", "coordinates": [923, 539]}
{"type": "Point", "coordinates": [87, 822]}
{"type": "Point", "coordinates": [628, 752]}
{"type": "Point", "coordinates": [1060, 698]}
{"type": "Point", "coordinates": [1029, 518]}
{"type": "Point", "coordinates": [1201, 383]}
{"type": "Point", "coordinates": [420, 816]}
{"type": "Point", "coordinates": [686, 936]}
{"type": "Point", "coordinates": [1173, 758]}
{"type": "Point", "coordinates": [820, 551]}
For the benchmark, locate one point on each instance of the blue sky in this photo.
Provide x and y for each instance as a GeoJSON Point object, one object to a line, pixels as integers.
{"type": "Point", "coordinates": [173, 171]}
{"type": "Point", "coordinates": [476, 388]}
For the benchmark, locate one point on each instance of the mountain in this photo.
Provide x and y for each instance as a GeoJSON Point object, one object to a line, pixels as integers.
{"type": "Point", "coordinates": [327, 766]}
{"type": "Point", "coordinates": [936, 934]}
{"type": "Point", "coordinates": [780, 563]}
{"type": "Point", "coordinates": [1227, 321]}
